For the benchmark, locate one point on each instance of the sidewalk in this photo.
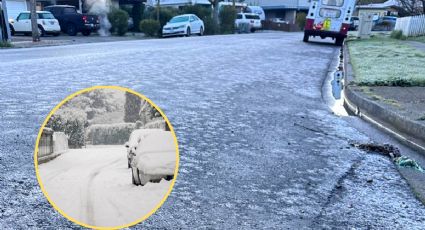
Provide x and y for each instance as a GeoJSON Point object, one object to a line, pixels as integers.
{"type": "Point", "coordinates": [21, 41]}
{"type": "Point", "coordinates": [409, 102]}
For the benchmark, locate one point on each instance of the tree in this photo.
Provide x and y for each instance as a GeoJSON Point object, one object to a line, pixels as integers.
{"type": "Point", "coordinates": [34, 25]}
{"type": "Point", "coordinates": [148, 113]}
{"type": "Point", "coordinates": [93, 103]}
{"type": "Point", "coordinates": [412, 7]}
{"type": "Point", "coordinates": [214, 4]}
{"type": "Point", "coordinates": [131, 107]}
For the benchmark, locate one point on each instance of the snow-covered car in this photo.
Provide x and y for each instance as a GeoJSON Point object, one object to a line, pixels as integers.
{"type": "Point", "coordinates": [186, 24]}
{"type": "Point", "coordinates": [135, 137]}
{"type": "Point", "coordinates": [252, 19]}
{"type": "Point", "coordinates": [47, 23]}
{"type": "Point", "coordinates": [155, 158]}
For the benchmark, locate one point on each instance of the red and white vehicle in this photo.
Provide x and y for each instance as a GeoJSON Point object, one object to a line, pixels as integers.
{"type": "Point", "coordinates": [329, 18]}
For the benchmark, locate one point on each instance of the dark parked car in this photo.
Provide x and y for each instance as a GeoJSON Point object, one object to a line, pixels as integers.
{"type": "Point", "coordinates": [354, 23]}
{"type": "Point", "coordinates": [386, 23]}
{"type": "Point", "coordinates": [72, 22]}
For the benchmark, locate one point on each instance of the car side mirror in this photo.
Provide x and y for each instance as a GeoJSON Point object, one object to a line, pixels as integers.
{"type": "Point", "coordinates": [126, 145]}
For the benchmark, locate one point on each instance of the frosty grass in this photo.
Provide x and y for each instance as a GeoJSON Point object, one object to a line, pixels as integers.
{"type": "Point", "coordinates": [384, 61]}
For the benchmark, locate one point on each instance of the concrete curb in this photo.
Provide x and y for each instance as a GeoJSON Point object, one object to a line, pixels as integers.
{"type": "Point", "coordinates": [50, 157]}
{"type": "Point", "coordinates": [404, 129]}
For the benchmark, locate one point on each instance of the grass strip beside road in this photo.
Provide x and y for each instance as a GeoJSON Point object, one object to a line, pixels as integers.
{"type": "Point", "coordinates": [383, 61]}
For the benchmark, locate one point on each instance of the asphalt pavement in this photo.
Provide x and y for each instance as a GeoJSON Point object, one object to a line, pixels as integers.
{"type": "Point", "coordinates": [259, 148]}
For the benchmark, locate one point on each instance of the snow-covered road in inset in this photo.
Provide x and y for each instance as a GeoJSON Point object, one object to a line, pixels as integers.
{"type": "Point", "coordinates": [93, 185]}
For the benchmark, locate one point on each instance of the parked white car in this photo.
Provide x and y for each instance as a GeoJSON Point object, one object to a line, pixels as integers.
{"type": "Point", "coordinates": [186, 24]}
{"type": "Point", "coordinates": [135, 137]}
{"type": "Point", "coordinates": [155, 158]}
{"type": "Point", "coordinates": [252, 19]}
{"type": "Point", "coordinates": [47, 23]}
{"type": "Point", "coordinates": [280, 20]}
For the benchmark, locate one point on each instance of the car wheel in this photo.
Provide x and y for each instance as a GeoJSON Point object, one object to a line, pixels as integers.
{"type": "Point", "coordinates": [188, 32]}
{"type": "Point", "coordinates": [135, 176]}
{"type": "Point", "coordinates": [144, 179]}
{"type": "Point", "coordinates": [71, 30]}
{"type": "Point", "coordinates": [339, 41]}
{"type": "Point", "coordinates": [86, 32]}
{"type": "Point", "coordinates": [305, 39]}
{"type": "Point", "coordinates": [252, 30]}
{"type": "Point", "coordinates": [41, 31]}
{"type": "Point", "coordinates": [201, 31]}
{"type": "Point", "coordinates": [56, 34]}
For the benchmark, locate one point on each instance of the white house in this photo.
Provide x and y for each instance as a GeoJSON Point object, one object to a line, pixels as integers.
{"type": "Point", "coordinates": [389, 7]}
{"type": "Point", "coordinates": [14, 7]}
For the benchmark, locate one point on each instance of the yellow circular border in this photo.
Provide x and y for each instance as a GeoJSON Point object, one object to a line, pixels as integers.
{"type": "Point", "coordinates": [85, 91]}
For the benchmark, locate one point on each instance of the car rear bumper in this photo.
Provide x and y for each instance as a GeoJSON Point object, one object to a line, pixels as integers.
{"type": "Point", "coordinates": [325, 33]}
{"type": "Point", "coordinates": [174, 33]}
{"type": "Point", "coordinates": [91, 27]}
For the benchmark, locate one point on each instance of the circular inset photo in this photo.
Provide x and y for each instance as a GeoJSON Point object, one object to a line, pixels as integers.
{"type": "Point", "coordinates": [106, 157]}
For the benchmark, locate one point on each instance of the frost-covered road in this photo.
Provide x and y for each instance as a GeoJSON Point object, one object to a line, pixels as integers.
{"type": "Point", "coordinates": [93, 185]}
{"type": "Point", "coordinates": [259, 148]}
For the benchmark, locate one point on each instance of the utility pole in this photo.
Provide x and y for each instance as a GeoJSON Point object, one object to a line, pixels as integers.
{"type": "Point", "coordinates": [34, 26]}
{"type": "Point", "coordinates": [5, 33]}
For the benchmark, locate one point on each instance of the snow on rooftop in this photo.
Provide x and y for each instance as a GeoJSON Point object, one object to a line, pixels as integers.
{"type": "Point", "coordinates": [386, 4]}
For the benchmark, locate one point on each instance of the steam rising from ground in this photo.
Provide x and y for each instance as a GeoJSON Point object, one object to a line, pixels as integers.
{"type": "Point", "coordinates": [101, 8]}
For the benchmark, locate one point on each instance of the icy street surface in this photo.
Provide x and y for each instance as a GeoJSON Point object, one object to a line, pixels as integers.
{"type": "Point", "coordinates": [93, 186]}
{"type": "Point", "coordinates": [258, 147]}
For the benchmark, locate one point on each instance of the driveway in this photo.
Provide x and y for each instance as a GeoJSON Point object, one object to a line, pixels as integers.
{"type": "Point", "coordinates": [259, 148]}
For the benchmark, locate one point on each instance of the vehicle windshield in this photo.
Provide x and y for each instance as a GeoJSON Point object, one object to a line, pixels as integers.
{"type": "Point", "coordinates": [333, 2]}
{"type": "Point", "coordinates": [252, 16]}
{"type": "Point", "coordinates": [45, 16]}
{"type": "Point", "coordinates": [329, 13]}
{"type": "Point", "coordinates": [69, 10]}
{"type": "Point", "coordinates": [179, 19]}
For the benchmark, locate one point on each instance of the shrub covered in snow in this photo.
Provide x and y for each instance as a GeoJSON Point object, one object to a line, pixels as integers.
{"type": "Point", "coordinates": [131, 107]}
{"type": "Point", "coordinates": [109, 134]}
{"type": "Point", "coordinates": [157, 123]}
{"type": "Point", "coordinates": [72, 123]}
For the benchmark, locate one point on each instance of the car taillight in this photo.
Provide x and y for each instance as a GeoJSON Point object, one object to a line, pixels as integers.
{"type": "Point", "coordinates": [85, 19]}
{"type": "Point", "coordinates": [309, 24]}
{"type": "Point", "coordinates": [344, 28]}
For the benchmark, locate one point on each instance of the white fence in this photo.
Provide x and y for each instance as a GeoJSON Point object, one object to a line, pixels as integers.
{"type": "Point", "coordinates": [411, 26]}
